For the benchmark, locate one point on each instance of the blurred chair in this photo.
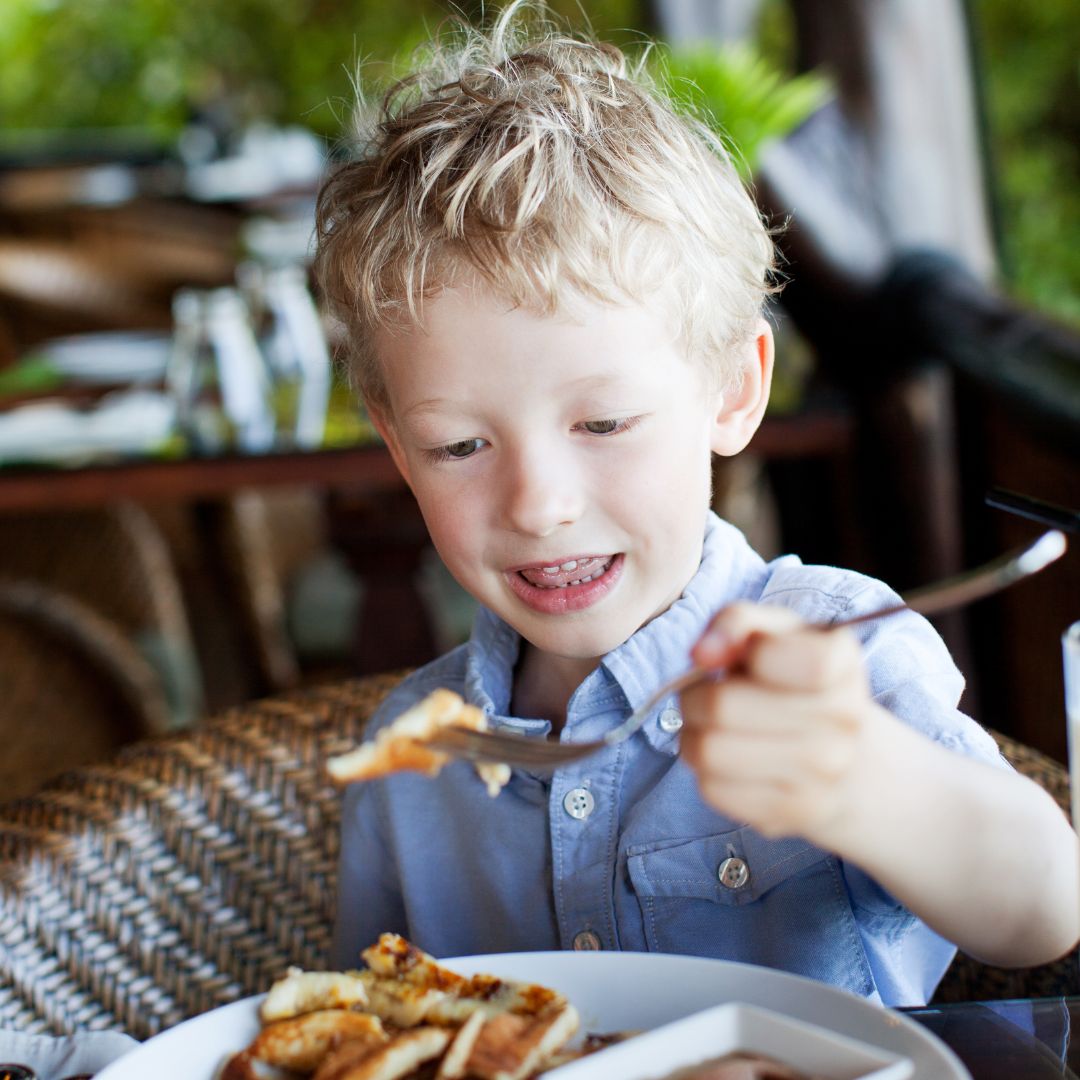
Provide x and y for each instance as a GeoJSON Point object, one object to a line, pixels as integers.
{"type": "Point", "coordinates": [185, 874]}
{"type": "Point", "coordinates": [192, 870]}
{"type": "Point", "coordinates": [236, 558]}
{"type": "Point", "coordinates": [74, 688]}
{"type": "Point", "coordinates": [115, 562]}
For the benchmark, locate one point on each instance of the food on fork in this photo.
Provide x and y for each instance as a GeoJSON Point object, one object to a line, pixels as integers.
{"type": "Point", "coordinates": [403, 745]}
{"type": "Point", "coordinates": [405, 1016]}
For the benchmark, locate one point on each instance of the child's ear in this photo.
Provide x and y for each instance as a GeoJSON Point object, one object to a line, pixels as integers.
{"type": "Point", "coordinates": [739, 411]}
{"type": "Point", "coordinates": [384, 425]}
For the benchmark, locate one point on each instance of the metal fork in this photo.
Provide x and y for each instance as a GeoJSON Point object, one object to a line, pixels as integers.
{"type": "Point", "coordinates": [547, 754]}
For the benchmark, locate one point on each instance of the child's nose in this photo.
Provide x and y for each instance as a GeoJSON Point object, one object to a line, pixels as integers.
{"type": "Point", "coordinates": [542, 492]}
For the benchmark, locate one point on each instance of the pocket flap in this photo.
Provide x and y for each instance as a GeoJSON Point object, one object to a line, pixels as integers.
{"type": "Point", "coordinates": [730, 868]}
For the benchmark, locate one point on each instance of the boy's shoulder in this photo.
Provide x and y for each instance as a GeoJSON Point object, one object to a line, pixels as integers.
{"type": "Point", "coordinates": [732, 569]}
{"type": "Point", "coordinates": [822, 593]}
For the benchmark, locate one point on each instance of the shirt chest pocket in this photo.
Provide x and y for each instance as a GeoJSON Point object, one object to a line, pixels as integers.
{"type": "Point", "coordinates": [736, 896]}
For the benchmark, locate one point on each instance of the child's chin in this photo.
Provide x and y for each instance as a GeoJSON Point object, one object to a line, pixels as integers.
{"type": "Point", "coordinates": [577, 639]}
{"type": "Point", "coordinates": [591, 645]}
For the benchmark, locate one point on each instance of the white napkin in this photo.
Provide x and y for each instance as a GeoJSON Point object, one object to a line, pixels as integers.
{"type": "Point", "coordinates": [57, 1057]}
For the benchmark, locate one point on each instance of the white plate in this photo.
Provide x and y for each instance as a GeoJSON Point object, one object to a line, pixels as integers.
{"type": "Point", "coordinates": [112, 356]}
{"type": "Point", "coordinates": [612, 992]}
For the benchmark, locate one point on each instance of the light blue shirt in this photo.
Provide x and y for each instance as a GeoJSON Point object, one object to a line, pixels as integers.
{"type": "Point", "coordinates": [619, 851]}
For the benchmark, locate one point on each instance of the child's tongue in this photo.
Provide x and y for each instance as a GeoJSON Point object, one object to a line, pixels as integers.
{"type": "Point", "coordinates": [552, 577]}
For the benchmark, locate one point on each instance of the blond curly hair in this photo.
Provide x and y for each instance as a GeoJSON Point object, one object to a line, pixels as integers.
{"type": "Point", "coordinates": [534, 162]}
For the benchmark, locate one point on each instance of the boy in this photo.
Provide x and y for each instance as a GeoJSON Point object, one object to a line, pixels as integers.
{"type": "Point", "coordinates": [552, 286]}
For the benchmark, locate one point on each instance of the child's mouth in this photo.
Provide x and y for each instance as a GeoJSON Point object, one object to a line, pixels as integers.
{"type": "Point", "coordinates": [571, 585]}
{"type": "Point", "coordinates": [571, 572]}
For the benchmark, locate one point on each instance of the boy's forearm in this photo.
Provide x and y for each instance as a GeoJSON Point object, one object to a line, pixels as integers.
{"type": "Point", "coordinates": [953, 839]}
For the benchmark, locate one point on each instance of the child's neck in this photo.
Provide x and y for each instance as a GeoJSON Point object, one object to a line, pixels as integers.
{"type": "Point", "coordinates": [543, 685]}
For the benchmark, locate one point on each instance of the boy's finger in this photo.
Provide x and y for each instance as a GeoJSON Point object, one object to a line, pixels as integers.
{"type": "Point", "coordinates": [741, 704]}
{"type": "Point", "coordinates": [728, 635]}
{"type": "Point", "coordinates": [804, 659]}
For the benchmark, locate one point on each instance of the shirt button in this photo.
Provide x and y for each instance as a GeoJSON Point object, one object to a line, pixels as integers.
{"type": "Point", "coordinates": [733, 873]}
{"type": "Point", "coordinates": [670, 719]}
{"type": "Point", "coordinates": [586, 941]}
{"type": "Point", "coordinates": [579, 803]}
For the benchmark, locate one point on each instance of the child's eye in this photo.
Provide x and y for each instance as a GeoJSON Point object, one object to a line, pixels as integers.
{"type": "Point", "coordinates": [608, 427]}
{"type": "Point", "coordinates": [455, 451]}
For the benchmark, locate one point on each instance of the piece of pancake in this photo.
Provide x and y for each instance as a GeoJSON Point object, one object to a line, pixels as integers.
{"type": "Point", "coordinates": [401, 746]}
{"type": "Point", "coordinates": [394, 1060]}
{"type": "Point", "coordinates": [303, 1041]}
{"type": "Point", "coordinates": [406, 986]}
{"type": "Point", "coordinates": [512, 1047]}
{"type": "Point", "coordinates": [404, 1016]}
{"type": "Point", "coordinates": [308, 991]}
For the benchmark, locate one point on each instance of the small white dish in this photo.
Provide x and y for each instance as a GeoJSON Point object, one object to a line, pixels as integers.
{"type": "Point", "coordinates": [737, 1028]}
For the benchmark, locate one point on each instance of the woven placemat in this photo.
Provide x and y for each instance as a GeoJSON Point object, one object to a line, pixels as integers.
{"type": "Point", "coordinates": [189, 872]}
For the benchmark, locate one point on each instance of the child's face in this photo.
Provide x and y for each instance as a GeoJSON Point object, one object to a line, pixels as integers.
{"type": "Point", "coordinates": [562, 465]}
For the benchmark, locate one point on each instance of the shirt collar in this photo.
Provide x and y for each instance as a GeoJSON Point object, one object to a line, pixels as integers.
{"type": "Point", "coordinates": [489, 672]}
{"type": "Point", "coordinates": [729, 570]}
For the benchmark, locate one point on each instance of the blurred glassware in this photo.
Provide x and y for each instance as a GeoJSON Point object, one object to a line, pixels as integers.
{"type": "Point", "coordinates": [291, 335]}
{"type": "Point", "coordinates": [217, 374]}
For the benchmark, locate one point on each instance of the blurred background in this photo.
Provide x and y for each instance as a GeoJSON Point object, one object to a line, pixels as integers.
{"type": "Point", "coordinates": [193, 509]}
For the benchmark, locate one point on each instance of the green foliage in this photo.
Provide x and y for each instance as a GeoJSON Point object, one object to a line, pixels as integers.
{"type": "Point", "coordinates": [743, 96]}
{"type": "Point", "coordinates": [1031, 83]}
{"type": "Point", "coordinates": [151, 64]}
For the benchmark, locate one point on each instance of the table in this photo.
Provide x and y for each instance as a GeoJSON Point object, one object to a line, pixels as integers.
{"type": "Point", "coordinates": [360, 468]}
{"type": "Point", "coordinates": [1027, 1039]}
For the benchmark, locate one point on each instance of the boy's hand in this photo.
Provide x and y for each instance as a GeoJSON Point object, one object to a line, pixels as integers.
{"type": "Point", "coordinates": [780, 742]}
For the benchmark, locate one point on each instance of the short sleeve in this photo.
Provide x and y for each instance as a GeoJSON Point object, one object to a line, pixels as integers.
{"type": "Point", "coordinates": [909, 668]}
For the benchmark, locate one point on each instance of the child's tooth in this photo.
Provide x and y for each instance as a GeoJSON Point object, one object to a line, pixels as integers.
{"type": "Point", "coordinates": [551, 569]}
{"type": "Point", "coordinates": [571, 565]}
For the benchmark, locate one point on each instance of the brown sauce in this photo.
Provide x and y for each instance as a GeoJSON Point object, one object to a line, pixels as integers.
{"type": "Point", "coordinates": [738, 1067]}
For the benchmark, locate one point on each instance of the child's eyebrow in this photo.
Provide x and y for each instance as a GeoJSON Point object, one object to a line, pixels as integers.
{"type": "Point", "coordinates": [603, 381]}
{"type": "Point", "coordinates": [420, 408]}
{"type": "Point", "coordinates": [584, 383]}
